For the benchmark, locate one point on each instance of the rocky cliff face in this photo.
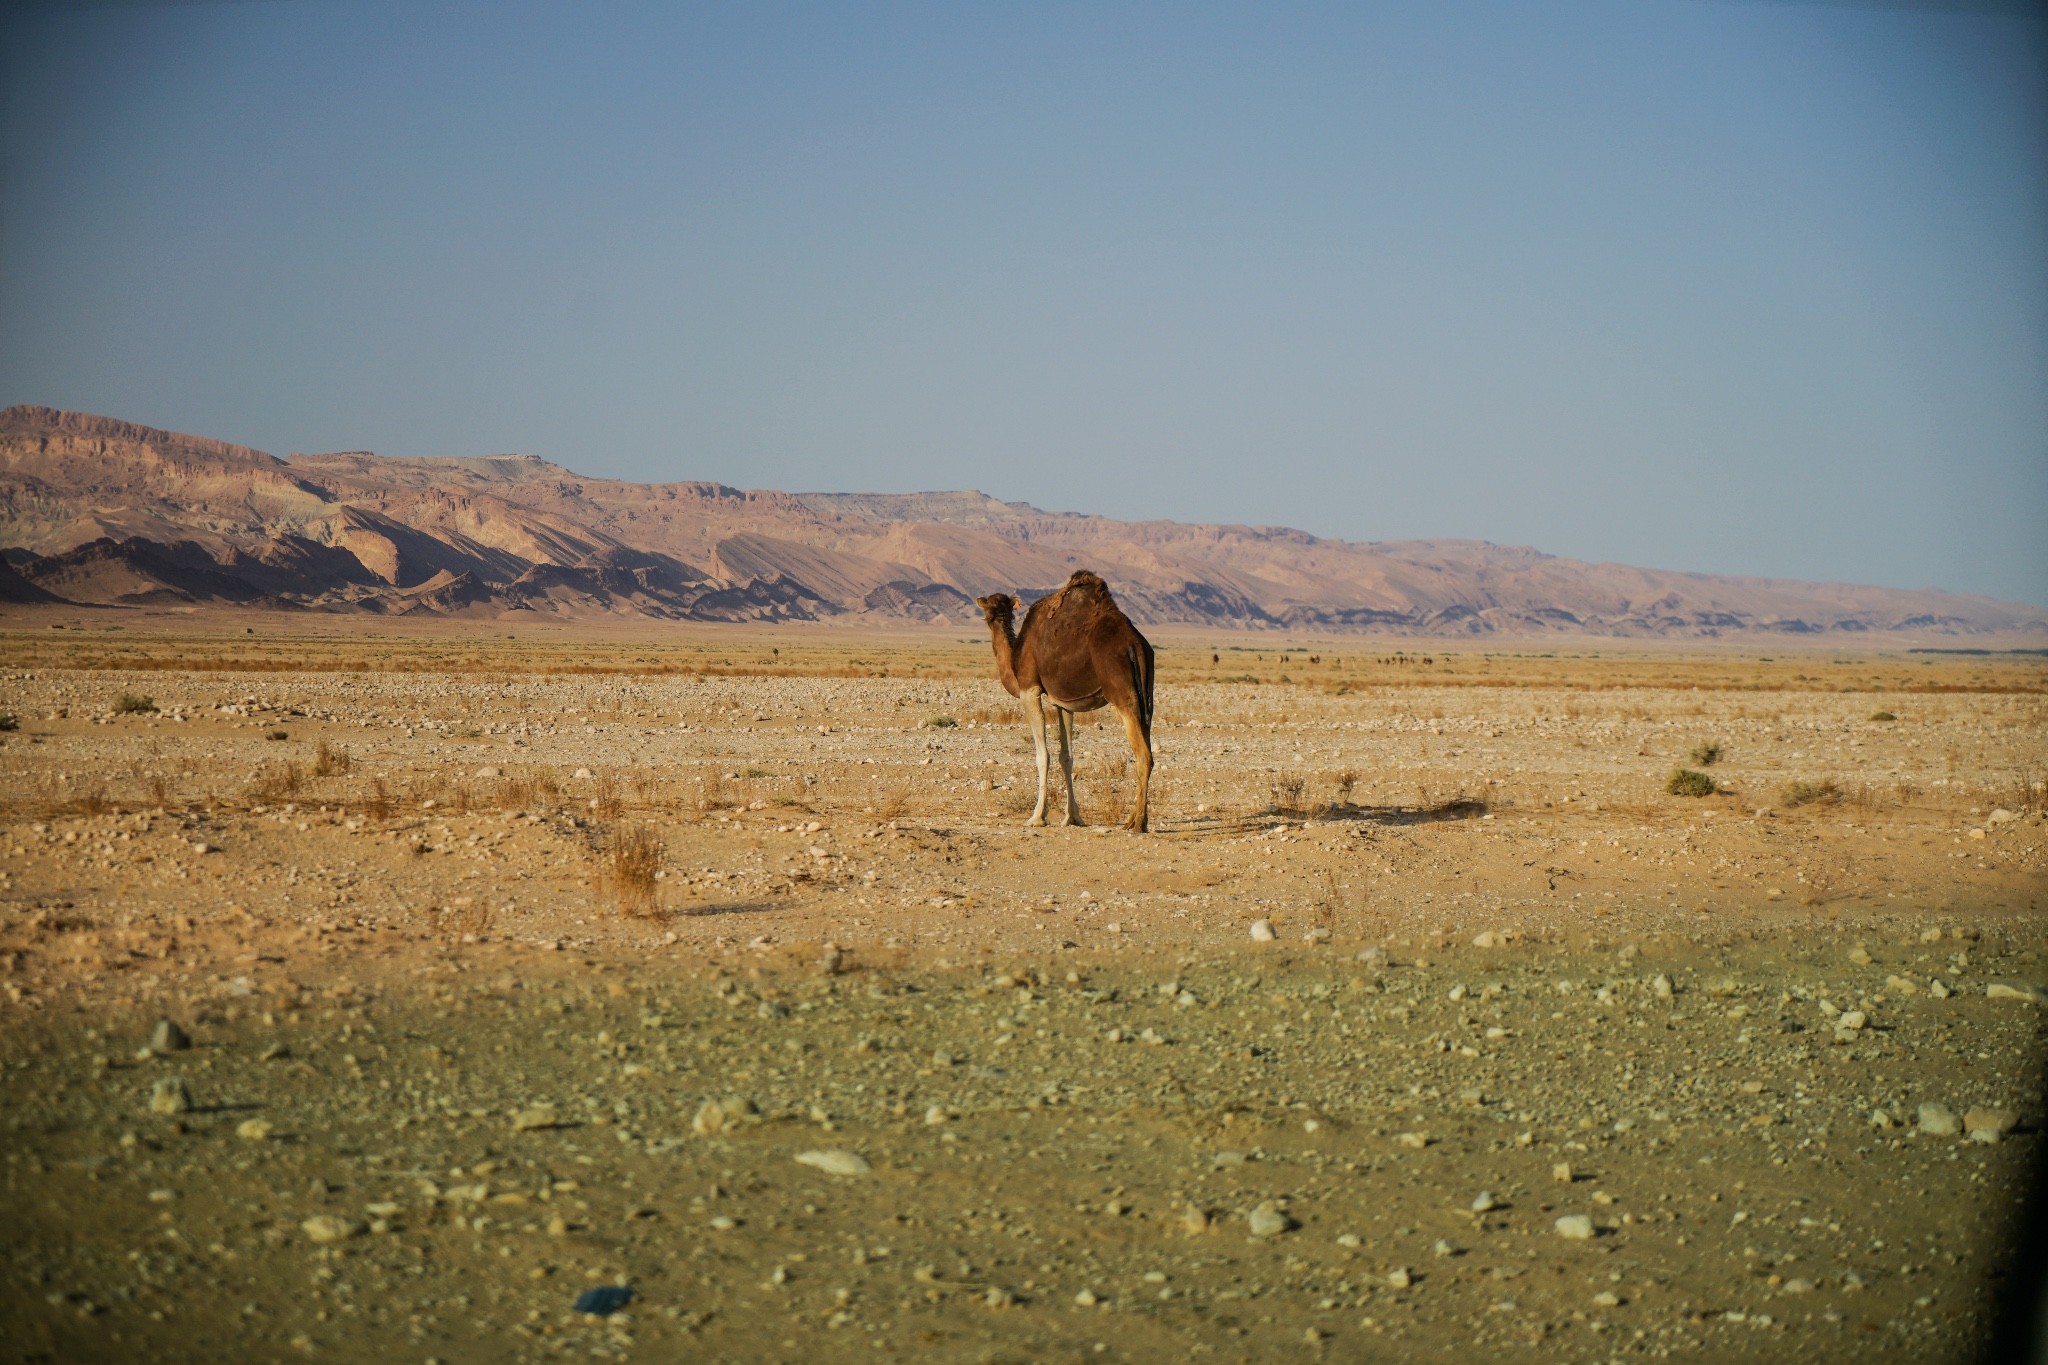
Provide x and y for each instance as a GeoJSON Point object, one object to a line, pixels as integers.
{"type": "Point", "coordinates": [99, 510]}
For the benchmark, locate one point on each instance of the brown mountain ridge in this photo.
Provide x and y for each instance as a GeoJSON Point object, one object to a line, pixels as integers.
{"type": "Point", "coordinates": [96, 510]}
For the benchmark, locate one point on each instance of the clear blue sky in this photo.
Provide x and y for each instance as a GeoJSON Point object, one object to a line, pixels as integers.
{"type": "Point", "coordinates": [1735, 287]}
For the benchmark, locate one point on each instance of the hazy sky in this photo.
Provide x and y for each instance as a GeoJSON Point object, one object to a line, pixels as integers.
{"type": "Point", "coordinates": [1725, 286]}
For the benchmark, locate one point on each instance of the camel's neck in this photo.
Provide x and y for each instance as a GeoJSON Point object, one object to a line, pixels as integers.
{"type": "Point", "coordinates": [1005, 641]}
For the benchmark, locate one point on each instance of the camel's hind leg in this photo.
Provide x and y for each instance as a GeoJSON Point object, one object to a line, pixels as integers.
{"type": "Point", "coordinates": [1034, 712]}
{"type": "Point", "coordinates": [1066, 718]}
{"type": "Point", "coordinates": [1141, 749]}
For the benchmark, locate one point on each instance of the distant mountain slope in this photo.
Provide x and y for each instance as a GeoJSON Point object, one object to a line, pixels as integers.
{"type": "Point", "coordinates": [98, 510]}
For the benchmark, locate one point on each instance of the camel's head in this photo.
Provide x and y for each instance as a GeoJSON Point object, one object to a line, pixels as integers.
{"type": "Point", "coordinates": [997, 608]}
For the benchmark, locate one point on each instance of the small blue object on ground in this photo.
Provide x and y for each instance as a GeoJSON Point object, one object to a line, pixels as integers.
{"type": "Point", "coordinates": [605, 1300]}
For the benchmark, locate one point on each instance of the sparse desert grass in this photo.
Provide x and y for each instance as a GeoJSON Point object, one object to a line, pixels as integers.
{"type": "Point", "coordinates": [377, 805]}
{"type": "Point", "coordinates": [329, 761]}
{"type": "Point", "coordinates": [605, 802]}
{"type": "Point", "coordinates": [134, 704]}
{"type": "Point", "coordinates": [634, 857]}
{"type": "Point", "coordinates": [1804, 793]}
{"type": "Point", "coordinates": [940, 723]}
{"type": "Point", "coordinates": [278, 783]}
{"type": "Point", "coordinates": [1689, 782]}
{"type": "Point", "coordinates": [895, 804]}
{"type": "Point", "coordinates": [1708, 754]}
{"type": "Point", "coordinates": [1287, 792]}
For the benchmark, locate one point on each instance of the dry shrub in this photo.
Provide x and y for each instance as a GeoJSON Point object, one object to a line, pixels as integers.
{"type": "Point", "coordinates": [1800, 793]}
{"type": "Point", "coordinates": [159, 792]}
{"type": "Point", "coordinates": [895, 805]}
{"type": "Point", "coordinates": [1287, 793]}
{"type": "Point", "coordinates": [1114, 798]}
{"type": "Point", "coordinates": [331, 762]}
{"type": "Point", "coordinates": [711, 792]}
{"type": "Point", "coordinates": [635, 857]}
{"type": "Point", "coordinates": [1708, 754]}
{"type": "Point", "coordinates": [278, 783]}
{"type": "Point", "coordinates": [471, 919]}
{"type": "Point", "coordinates": [1343, 784]}
{"type": "Point", "coordinates": [378, 804]}
{"type": "Point", "coordinates": [1442, 803]}
{"type": "Point", "coordinates": [1688, 782]}
{"type": "Point", "coordinates": [132, 705]}
{"type": "Point", "coordinates": [605, 800]}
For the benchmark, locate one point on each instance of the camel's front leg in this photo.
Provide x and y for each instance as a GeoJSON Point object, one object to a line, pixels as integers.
{"type": "Point", "coordinates": [1035, 714]}
{"type": "Point", "coordinates": [1067, 765]}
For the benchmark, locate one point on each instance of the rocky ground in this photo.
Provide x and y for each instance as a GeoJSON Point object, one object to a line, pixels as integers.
{"type": "Point", "coordinates": [1426, 1023]}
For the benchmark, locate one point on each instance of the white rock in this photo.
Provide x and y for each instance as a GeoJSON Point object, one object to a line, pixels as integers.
{"type": "Point", "coordinates": [168, 1038]}
{"type": "Point", "coordinates": [1268, 1221]}
{"type": "Point", "coordinates": [326, 1227]}
{"type": "Point", "coordinates": [1488, 939]}
{"type": "Point", "coordinates": [581, 773]}
{"type": "Point", "coordinates": [1938, 1120]}
{"type": "Point", "coordinates": [488, 771]}
{"type": "Point", "coordinates": [1576, 1226]}
{"type": "Point", "coordinates": [1194, 1219]}
{"type": "Point", "coordinates": [1996, 1122]}
{"type": "Point", "coordinates": [169, 1096]}
{"type": "Point", "coordinates": [1485, 1203]}
{"type": "Point", "coordinates": [2013, 990]}
{"type": "Point", "coordinates": [255, 1130]}
{"type": "Point", "coordinates": [1262, 931]}
{"type": "Point", "coordinates": [1399, 1279]}
{"type": "Point", "coordinates": [1086, 1298]}
{"type": "Point", "coordinates": [533, 1118]}
{"type": "Point", "coordinates": [1660, 987]}
{"type": "Point", "coordinates": [835, 1161]}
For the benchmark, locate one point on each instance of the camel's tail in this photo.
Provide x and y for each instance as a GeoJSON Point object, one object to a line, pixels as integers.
{"type": "Point", "coordinates": [1140, 657]}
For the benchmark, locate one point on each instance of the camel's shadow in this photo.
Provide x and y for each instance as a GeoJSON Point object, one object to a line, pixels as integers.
{"type": "Point", "coordinates": [1280, 817]}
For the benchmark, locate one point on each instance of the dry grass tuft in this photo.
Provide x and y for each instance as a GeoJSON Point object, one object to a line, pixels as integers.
{"type": "Point", "coordinates": [605, 800]}
{"type": "Point", "coordinates": [636, 852]}
{"type": "Point", "coordinates": [278, 783]}
{"type": "Point", "coordinates": [132, 704]}
{"type": "Point", "coordinates": [1801, 793]}
{"type": "Point", "coordinates": [1689, 782]}
{"type": "Point", "coordinates": [332, 762]}
{"type": "Point", "coordinates": [895, 805]}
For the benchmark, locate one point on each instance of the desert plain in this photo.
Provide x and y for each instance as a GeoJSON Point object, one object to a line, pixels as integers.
{"type": "Point", "coordinates": [373, 993]}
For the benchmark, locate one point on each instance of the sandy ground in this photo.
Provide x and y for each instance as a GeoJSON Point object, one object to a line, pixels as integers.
{"type": "Point", "coordinates": [431, 1000]}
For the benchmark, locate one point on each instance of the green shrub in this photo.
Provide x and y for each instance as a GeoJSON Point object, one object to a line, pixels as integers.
{"type": "Point", "coordinates": [1708, 754]}
{"type": "Point", "coordinates": [1689, 782]}
{"type": "Point", "coordinates": [1882, 715]}
{"type": "Point", "coordinates": [132, 705]}
{"type": "Point", "coordinates": [1807, 793]}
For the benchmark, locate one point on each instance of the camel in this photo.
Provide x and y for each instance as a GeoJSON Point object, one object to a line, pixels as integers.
{"type": "Point", "coordinates": [1078, 651]}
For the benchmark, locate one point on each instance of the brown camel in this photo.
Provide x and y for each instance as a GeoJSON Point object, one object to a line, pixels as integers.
{"type": "Point", "coordinates": [1078, 651]}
